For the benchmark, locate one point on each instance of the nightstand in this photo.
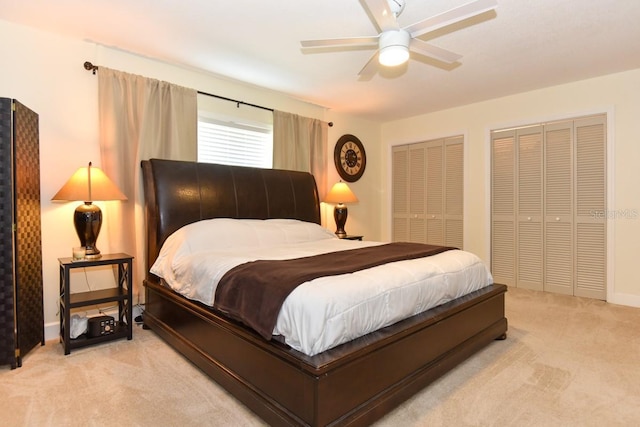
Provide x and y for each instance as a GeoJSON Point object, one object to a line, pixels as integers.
{"type": "Point", "coordinates": [121, 295]}
{"type": "Point", "coordinates": [349, 237]}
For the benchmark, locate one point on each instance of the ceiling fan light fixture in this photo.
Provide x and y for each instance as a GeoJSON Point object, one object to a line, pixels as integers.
{"type": "Point", "coordinates": [393, 56]}
{"type": "Point", "coordinates": [394, 48]}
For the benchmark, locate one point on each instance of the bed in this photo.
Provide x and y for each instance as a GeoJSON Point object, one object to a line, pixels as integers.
{"type": "Point", "coordinates": [353, 383]}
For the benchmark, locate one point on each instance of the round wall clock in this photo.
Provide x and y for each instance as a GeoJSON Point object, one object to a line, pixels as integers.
{"type": "Point", "coordinates": [350, 158]}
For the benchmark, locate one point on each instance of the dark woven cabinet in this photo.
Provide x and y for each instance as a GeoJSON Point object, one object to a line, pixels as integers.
{"type": "Point", "coordinates": [21, 307]}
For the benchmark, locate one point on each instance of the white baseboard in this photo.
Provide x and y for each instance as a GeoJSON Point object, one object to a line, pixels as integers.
{"type": "Point", "coordinates": [624, 299]}
{"type": "Point", "coordinates": [51, 331]}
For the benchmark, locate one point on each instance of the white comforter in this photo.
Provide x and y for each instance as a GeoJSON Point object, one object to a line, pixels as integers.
{"type": "Point", "coordinates": [328, 311]}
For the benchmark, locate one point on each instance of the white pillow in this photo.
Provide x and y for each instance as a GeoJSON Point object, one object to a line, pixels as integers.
{"type": "Point", "coordinates": [232, 234]}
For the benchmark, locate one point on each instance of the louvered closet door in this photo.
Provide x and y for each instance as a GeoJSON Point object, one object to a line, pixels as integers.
{"type": "Point", "coordinates": [409, 193]}
{"type": "Point", "coordinates": [400, 196]}
{"type": "Point", "coordinates": [558, 206]}
{"type": "Point", "coordinates": [529, 203]}
{"type": "Point", "coordinates": [417, 193]}
{"type": "Point", "coordinates": [428, 192]}
{"type": "Point", "coordinates": [503, 207]}
{"type": "Point", "coordinates": [435, 184]}
{"type": "Point", "coordinates": [454, 192]}
{"type": "Point", "coordinates": [590, 231]}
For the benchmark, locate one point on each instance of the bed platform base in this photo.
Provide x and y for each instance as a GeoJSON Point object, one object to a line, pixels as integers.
{"type": "Point", "coordinates": [353, 384]}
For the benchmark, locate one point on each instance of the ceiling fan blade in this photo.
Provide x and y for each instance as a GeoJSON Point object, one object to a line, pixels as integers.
{"type": "Point", "coordinates": [370, 67]}
{"type": "Point", "coordinates": [346, 41]}
{"type": "Point", "coordinates": [431, 51]}
{"type": "Point", "coordinates": [452, 16]}
{"type": "Point", "coordinates": [381, 14]}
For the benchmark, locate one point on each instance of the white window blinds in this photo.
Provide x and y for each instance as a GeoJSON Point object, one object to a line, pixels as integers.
{"type": "Point", "coordinates": [233, 143]}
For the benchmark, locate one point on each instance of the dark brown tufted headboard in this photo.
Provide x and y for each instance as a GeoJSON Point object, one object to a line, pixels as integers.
{"type": "Point", "coordinates": [179, 193]}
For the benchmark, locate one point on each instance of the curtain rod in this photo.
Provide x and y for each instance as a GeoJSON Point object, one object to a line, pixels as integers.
{"type": "Point", "coordinates": [93, 68]}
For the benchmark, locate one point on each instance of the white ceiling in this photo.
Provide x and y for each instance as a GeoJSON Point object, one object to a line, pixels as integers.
{"type": "Point", "coordinates": [522, 45]}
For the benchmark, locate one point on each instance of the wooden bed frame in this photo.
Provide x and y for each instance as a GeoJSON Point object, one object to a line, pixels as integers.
{"type": "Point", "coordinates": [353, 384]}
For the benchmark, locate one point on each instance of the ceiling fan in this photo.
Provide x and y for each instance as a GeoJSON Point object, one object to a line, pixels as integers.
{"type": "Point", "coordinates": [395, 43]}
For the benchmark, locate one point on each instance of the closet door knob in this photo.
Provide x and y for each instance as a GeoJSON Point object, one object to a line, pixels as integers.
{"type": "Point", "coordinates": [557, 218]}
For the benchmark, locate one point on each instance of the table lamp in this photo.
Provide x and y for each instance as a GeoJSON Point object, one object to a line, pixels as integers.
{"type": "Point", "coordinates": [340, 193]}
{"type": "Point", "coordinates": [88, 185]}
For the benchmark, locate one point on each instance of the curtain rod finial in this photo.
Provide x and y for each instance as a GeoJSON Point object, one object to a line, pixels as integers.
{"type": "Point", "coordinates": [90, 67]}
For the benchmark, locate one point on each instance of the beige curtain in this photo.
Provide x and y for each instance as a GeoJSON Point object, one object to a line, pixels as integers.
{"type": "Point", "coordinates": [300, 143]}
{"type": "Point", "coordinates": [140, 118]}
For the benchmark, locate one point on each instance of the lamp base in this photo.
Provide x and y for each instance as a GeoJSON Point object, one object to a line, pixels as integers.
{"type": "Point", "coordinates": [87, 220]}
{"type": "Point", "coordinates": [93, 255]}
{"type": "Point", "coordinates": [340, 213]}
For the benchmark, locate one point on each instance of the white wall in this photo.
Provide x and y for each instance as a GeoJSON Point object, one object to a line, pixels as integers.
{"type": "Point", "coordinates": [616, 95]}
{"type": "Point", "coordinates": [45, 72]}
{"type": "Point", "coordinates": [365, 216]}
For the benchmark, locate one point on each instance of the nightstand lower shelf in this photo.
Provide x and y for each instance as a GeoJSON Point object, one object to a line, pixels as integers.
{"type": "Point", "coordinates": [121, 331]}
{"type": "Point", "coordinates": [121, 295]}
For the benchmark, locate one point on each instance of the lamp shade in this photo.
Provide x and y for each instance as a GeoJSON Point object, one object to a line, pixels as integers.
{"type": "Point", "coordinates": [87, 185]}
{"type": "Point", "coordinates": [340, 193]}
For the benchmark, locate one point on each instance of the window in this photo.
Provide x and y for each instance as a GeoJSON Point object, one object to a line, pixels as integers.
{"type": "Point", "coordinates": [231, 143]}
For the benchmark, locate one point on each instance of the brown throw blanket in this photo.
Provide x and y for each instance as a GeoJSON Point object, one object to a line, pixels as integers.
{"type": "Point", "coordinates": [253, 292]}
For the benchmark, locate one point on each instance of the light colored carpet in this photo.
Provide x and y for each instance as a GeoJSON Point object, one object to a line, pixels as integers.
{"type": "Point", "coordinates": [567, 361]}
